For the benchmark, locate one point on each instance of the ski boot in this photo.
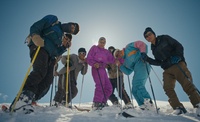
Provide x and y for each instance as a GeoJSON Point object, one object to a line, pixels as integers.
{"type": "Point", "coordinates": [24, 102]}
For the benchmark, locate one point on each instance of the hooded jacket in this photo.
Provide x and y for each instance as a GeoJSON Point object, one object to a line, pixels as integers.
{"type": "Point", "coordinates": [49, 29]}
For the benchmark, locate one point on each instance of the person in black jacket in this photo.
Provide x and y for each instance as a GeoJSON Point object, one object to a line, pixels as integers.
{"type": "Point", "coordinates": [169, 54]}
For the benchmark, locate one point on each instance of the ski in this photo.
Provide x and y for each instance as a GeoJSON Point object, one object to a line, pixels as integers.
{"type": "Point", "coordinates": [81, 109]}
{"type": "Point", "coordinates": [126, 115]}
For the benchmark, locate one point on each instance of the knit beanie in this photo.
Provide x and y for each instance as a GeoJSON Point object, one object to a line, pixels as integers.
{"type": "Point", "coordinates": [148, 29]}
{"type": "Point", "coordinates": [111, 48]}
{"type": "Point", "coordinates": [81, 50]}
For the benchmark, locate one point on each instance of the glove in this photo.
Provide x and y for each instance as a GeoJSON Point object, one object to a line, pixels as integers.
{"type": "Point", "coordinates": [70, 63]}
{"type": "Point", "coordinates": [37, 40]}
{"type": "Point", "coordinates": [175, 59]}
{"type": "Point", "coordinates": [144, 56]}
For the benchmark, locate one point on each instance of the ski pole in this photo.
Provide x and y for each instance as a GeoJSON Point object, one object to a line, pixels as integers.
{"type": "Point", "coordinates": [187, 77]}
{"type": "Point", "coordinates": [23, 83]}
{"type": "Point", "coordinates": [56, 84]}
{"type": "Point", "coordinates": [81, 90]}
{"type": "Point", "coordinates": [51, 94]}
{"type": "Point", "coordinates": [70, 91]}
{"type": "Point", "coordinates": [130, 90]}
{"type": "Point", "coordinates": [119, 89]}
{"type": "Point", "coordinates": [101, 85]}
{"type": "Point", "coordinates": [157, 76]}
{"type": "Point", "coordinates": [152, 88]}
{"type": "Point", "coordinates": [67, 73]}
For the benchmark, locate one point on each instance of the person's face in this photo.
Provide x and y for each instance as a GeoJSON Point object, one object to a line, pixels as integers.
{"type": "Point", "coordinates": [82, 55]}
{"type": "Point", "coordinates": [101, 43]}
{"type": "Point", "coordinates": [150, 37]}
{"type": "Point", "coordinates": [66, 41]}
{"type": "Point", "coordinates": [72, 28]}
{"type": "Point", "coordinates": [111, 50]}
{"type": "Point", "coordinates": [119, 54]}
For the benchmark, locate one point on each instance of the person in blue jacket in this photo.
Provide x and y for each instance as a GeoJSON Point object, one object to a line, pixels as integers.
{"type": "Point", "coordinates": [133, 63]}
{"type": "Point", "coordinates": [54, 38]}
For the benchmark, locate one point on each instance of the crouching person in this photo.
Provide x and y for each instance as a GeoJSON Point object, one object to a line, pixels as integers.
{"type": "Point", "coordinates": [46, 33]}
{"type": "Point", "coordinates": [77, 63]}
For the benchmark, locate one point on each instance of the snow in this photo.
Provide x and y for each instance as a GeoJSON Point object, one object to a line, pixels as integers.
{"type": "Point", "coordinates": [44, 113]}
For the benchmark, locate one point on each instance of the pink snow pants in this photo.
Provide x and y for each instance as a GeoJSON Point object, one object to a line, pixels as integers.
{"type": "Point", "coordinates": [103, 87]}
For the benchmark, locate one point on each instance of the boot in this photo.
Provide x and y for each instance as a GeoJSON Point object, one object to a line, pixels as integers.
{"type": "Point", "coordinates": [198, 109]}
{"type": "Point", "coordinates": [148, 105]}
{"type": "Point", "coordinates": [128, 106]}
{"type": "Point", "coordinates": [24, 102]}
{"type": "Point", "coordinates": [179, 110]}
{"type": "Point", "coordinates": [97, 106]}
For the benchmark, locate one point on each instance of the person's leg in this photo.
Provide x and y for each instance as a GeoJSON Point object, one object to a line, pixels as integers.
{"type": "Point", "coordinates": [112, 97]}
{"type": "Point", "coordinates": [61, 89]}
{"type": "Point", "coordinates": [124, 95]}
{"type": "Point", "coordinates": [40, 69]}
{"type": "Point", "coordinates": [44, 85]}
{"type": "Point", "coordinates": [37, 74]}
{"type": "Point", "coordinates": [98, 92]}
{"type": "Point", "coordinates": [72, 83]}
{"type": "Point", "coordinates": [168, 86]}
{"type": "Point", "coordinates": [187, 85]}
{"type": "Point", "coordinates": [138, 83]}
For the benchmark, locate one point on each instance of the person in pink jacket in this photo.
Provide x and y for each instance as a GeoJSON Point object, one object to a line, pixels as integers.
{"type": "Point", "coordinates": [98, 57]}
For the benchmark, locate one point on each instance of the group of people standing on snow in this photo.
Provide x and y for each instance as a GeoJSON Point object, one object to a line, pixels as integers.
{"type": "Point", "coordinates": [108, 67]}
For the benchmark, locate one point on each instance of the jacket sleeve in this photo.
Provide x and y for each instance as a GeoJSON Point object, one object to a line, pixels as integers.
{"type": "Point", "coordinates": [153, 61]}
{"type": "Point", "coordinates": [141, 46]}
{"type": "Point", "coordinates": [125, 70]}
{"type": "Point", "coordinates": [44, 23]}
{"type": "Point", "coordinates": [90, 56]}
{"type": "Point", "coordinates": [64, 59]}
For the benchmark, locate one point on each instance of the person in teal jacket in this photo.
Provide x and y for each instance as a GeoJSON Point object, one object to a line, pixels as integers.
{"type": "Point", "coordinates": [133, 63]}
{"type": "Point", "coordinates": [54, 38]}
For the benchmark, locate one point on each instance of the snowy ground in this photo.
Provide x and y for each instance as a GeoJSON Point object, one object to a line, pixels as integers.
{"type": "Point", "coordinates": [108, 114]}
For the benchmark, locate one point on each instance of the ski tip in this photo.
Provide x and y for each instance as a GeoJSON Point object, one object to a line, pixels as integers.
{"type": "Point", "coordinates": [126, 115]}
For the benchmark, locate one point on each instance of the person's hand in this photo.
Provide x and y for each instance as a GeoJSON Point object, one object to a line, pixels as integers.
{"type": "Point", "coordinates": [66, 43]}
{"type": "Point", "coordinates": [70, 63]}
{"type": "Point", "coordinates": [117, 62]}
{"type": "Point", "coordinates": [96, 65]}
{"type": "Point", "coordinates": [144, 56]}
{"type": "Point", "coordinates": [175, 59]}
{"type": "Point", "coordinates": [37, 40]}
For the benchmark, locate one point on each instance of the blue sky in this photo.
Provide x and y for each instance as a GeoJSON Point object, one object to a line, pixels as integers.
{"type": "Point", "coordinates": [119, 21]}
